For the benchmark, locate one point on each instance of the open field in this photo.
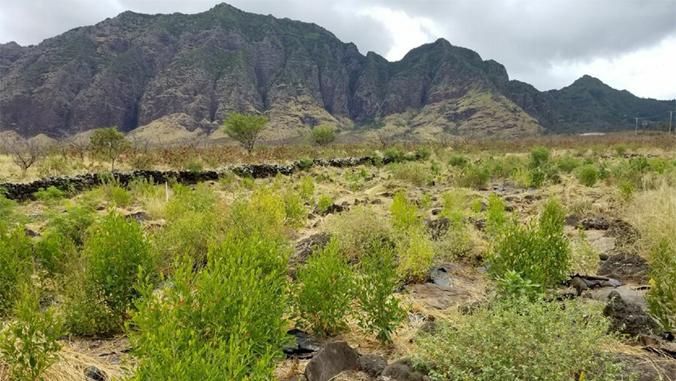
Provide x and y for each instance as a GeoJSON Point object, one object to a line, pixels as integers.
{"type": "Point", "coordinates": [549, 258]}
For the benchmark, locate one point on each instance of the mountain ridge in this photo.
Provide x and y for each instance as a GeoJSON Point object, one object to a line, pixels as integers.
{"type": "Point", "coordinates": [134, 69]}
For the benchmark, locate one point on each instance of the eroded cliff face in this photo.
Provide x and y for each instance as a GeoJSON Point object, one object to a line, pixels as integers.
{"type": "Point", "coordinates": [133, 69]}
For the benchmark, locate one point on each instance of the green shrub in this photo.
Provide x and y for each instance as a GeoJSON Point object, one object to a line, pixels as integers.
{"type": "Point", "coordinates": [416, 253]}
{"type": "Point", "coordinates": [53, 251]}
{"type": "Point", "coordinates": [193, 165]}
{"type": "Point", "coordinates": [201, 199]}
{"type": "Point", "coordinates": [324, 203]}
{"type": "Point", "coordinates": [73, 223]}
{"type": "Point", "coordinates": [380, 312]}
{"type": "Point", "coordinates": [496, 217]}
{"type": "Point", "coordinates": [458, 161]}
{"type": "Point", "coordinates": [323, 135]}
{"type": "Point", "coordinates": [474, 176]}
{"type": "Point", "coordinates": [404, 214]}
{"type": "Point", "coordinates": [393, 155]}
{"type": "Point", "coordinates": [190, 235]}
{"type": "Point", "coordinates": [15, 265]}
{"type": "Point", "coordinates": [29, 343]}
{"type": "Point", "coordinates": [294, 208]}
{"type": "Point", "coordinates": [521, 340]}
{"type": "Point", "coordinates": [539, 252]}
{"type": "Point", "coordinates": [417, 174]}
{"type": "Point", "coordinates": [588, 175]}
{"type": "Point", "coordinates": [662, 295]}
{"type": "Point", "coordinates": [225, 322]}
{"type": "Point", "coordinates": [568, 163]}
{"type": "Point", "coordinates": [539, 157]}
{"type": "Point", "coordinates": [325, 290]}
{"type": "Point", "coordinates": [50, 194]}
{"type": "Point", "coordinates": [117, 195]}
{"type": "Point", "coordinates": [306, 188]}
{"type": "Point", "coordinates": [115, 253]}
{"type": "Point", "coordinates": [356, 228]}
{"type": "Point", "coordinates": [512, 285]}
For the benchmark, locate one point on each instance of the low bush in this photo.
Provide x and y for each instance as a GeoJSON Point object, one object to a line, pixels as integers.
{"type": "Point", "coordinates": [306, 188]}
{"type": "Point", "coordinates": [538, 252]}
{"type": "Point", "coordinates": [50, 194]}
{"type": "Point", "coordinates": [458, 161]}
{"type": "Point", "coordinates": [53, 251]}
{"type": "Point", "coordinates": [190, 235]}
{"type": "Point", "coordinates": [588, 175]}
{"type": "Point", "coordinates": [380, 312]}
{"type": "Point", "coordinates": [15, 265]}
{"type": "Point", "coordinates": [521, 340]}
{"type": "Point", "coordinates": [323, 134]}
{"type": "Point", "coordinates": [324, 203]}
{"type": "Point", "coordinates": [294, 209]}
{"type": "Point", "coordinates": [568, 164]}
{"type": "Point", "coordinates": [325, 291]}
{"type": "Point", "coordinates": [415, 173]}
{"type": "Point", "coordinates": [225, 322]}
{"type": "Point", "coordinates": [474, 176]}
{"type": "Point", "coordinates": [356, 228]}
{"type": "Point", "coordinates": [416, 253]}
{"type": "Point", "coordinates": [404, 214]}
{"type": "Point", "coordinates": [114, 253]}
{"type": "Point", "coordinates": [29, 342]}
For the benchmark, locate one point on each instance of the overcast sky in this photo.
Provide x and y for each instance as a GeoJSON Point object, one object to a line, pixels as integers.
{"type": "Point", "coordinates": [629, 44]}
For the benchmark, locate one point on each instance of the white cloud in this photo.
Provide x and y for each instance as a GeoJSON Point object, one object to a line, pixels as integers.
{"type": "Point", "coordinates": [647, 72]}
{"type": "Point", "coordinates": [407, 32]}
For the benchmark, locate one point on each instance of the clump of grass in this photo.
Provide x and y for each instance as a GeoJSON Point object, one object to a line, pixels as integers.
{"type": "Point", "coordinates": [588, 175]}
{"type": "Point", "coordinates": [356, 228]}
{"type": "Point", "coordinates": [415, 173]}
{"type": "Point", "coordinates": [15, 265]}
{"type": "Point", "coordinates": [324, 203]}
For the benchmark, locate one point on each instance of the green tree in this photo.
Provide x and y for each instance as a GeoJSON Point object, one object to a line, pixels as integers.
{"type": "Point", "coordinates": [323, 135]}
{"type": "Point", "coordinates": [108, 143]}
{"type": "Point", "coordinates": [245, 128]}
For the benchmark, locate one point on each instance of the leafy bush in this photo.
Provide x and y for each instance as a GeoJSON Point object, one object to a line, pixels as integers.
{"type": "Point", "coordinates": [323, 135]}
{"type": "Point", "coordinates": [189, 234]}
{"type": "Point", "coordinates": [380, 312]}
{"type": "Point", "coordinates": [415, 173]}
{"type": "Point", "coordinates": [662, 295]}
{"type": "Point", "coordinates": [405, 214]}
{"type": "Point", "coordinates": [72, 224]}
{"type": "Point", "coordinates": [115, 253]}
{"type": "Point", "coordinates": [539, 252]}
{"type": "Point", "coordinates": [325, 290]}
{"type": "Point", "coordinates": [356, 228]}
{"type": "Point", "coordinates": [29, 343]}
{"type": "Point", "coordinates": [50, 194]}
{"type": "Point", "coordinates": [294, 208]}
{"type": "Point", "coordinates": [15, 265]}
{"type": "Point", "coordinates": [521, 340]}
{"type": "Point", "coordinates": [539, 157]}
{"type": "Point", "coordinates": [393, 155]}
{"type": "Point", "coordinates": [588, 175]}
{"type": "Point", "coordinates": [458, 161]}
{"type": "Point", "coordinates": [225, 322]}
{"type": "Point", "coordinates": [512, 285]}
{"type": "Point", "coordinates": [568, 163]}
{"type": "Point", "coordinates": [474, 176]}
{"type": "Point", "coordinates": [496, 217]}
{"type": "Point", "coordinates": [306, 188]}
{"type": "Point", "coordinates": [324, 203]}
{"type": "Point", "coordinates": [53, 251]}
{"type": "Point", "coordinates": [416, 253]}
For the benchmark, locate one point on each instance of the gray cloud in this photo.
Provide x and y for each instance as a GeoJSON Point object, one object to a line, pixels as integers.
{"type": "Point", "coordinates": [536, 40]}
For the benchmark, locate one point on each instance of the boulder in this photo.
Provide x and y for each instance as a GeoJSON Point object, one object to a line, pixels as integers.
{"type": "Point", "coordinates": [628, 318]}
{"type": "Point", "coordinates": [402, 370]}
{"type": "Point", "coordinates": [373, 365]}
{"type": "Point", "coordinates": [93, 373]}
{"type": "Point", "coordinates": [334, 359]}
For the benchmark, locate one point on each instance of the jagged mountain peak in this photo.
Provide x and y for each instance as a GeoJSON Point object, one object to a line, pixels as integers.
{"type": "Point", "coordinates": [136, 68]}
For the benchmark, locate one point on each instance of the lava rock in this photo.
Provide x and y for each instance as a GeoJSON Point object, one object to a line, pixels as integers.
{"type": "Point", "coordinates": [335, 358]}
{"type": "Point", "coordinates": [305, 346]}
{"type": "Point", "coordinates": [93, 373]}
{"type": "Point", "coordinates": [628, 318]}
{"type": "Point", "coordinates": [402, 370]}
{"type": "Point", "coordinates": [373, 365]}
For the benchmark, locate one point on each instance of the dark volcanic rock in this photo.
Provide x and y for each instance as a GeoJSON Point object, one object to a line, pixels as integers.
{"type": "Point", "coordinates": [335, 358]}
{"type": "Point", "coordinates": [304, 347]}
{"type": "Point", "coordinates": [625, 267]}
{"type": "Point", "coordinates": [628, 318]}
{"type": "Point", "coordinates": [402, 370]}
{"type": "Point", "coordinates": [373, 365]}
{"type": "Point", "coordinates": [93, 373]}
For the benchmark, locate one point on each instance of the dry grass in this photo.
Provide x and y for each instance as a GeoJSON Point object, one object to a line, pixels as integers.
{"type": "Point", "coordinates": [653, 212]}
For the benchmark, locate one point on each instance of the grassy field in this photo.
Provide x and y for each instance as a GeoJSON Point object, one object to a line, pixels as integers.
{"type": "Point", "coordinates": [459, 261]}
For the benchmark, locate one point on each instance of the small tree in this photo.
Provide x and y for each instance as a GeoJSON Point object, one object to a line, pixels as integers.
{"type": "Point", "coordinates": [24, 153]}
{"type": "Point", "coordinates": [108, 143]}
{"type": "Point", "coordinates": [245, 128]}
{"type": "Point", "coordinates": [323, 135]}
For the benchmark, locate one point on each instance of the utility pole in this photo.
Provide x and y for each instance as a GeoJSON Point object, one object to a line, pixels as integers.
{"type": "Point", "coordinates": [636, 128]}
